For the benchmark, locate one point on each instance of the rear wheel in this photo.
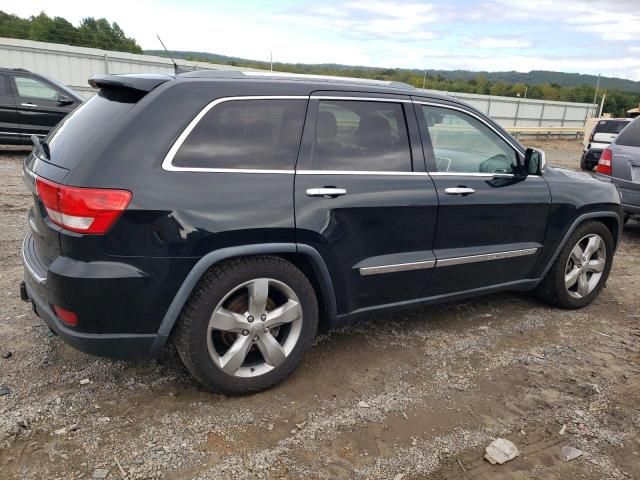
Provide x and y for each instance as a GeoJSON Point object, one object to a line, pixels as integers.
{"type": "Point", "coordinates": [247, 325]}
{"type": "Point", "coordinates": [582, 268]}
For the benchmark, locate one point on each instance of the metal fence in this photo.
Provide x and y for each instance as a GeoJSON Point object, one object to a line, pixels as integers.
{"type": "Point", "coordinates": [74, 65]}
{"type": "Point", "coordinates": [526, 112]}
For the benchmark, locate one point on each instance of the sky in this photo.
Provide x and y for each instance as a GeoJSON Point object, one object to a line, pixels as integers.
{"type": "Point", "coordinates": [584, 36]}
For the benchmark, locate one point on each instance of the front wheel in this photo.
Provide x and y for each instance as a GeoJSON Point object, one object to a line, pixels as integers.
{"type": "Point", "coordinates": [582, 268]}
{"type": "Point", "coordinates": [247, 325]}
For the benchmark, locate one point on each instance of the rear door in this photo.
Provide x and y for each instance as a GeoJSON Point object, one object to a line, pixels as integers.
{"type": "Point", "coordinates": [626, 163]}
{"type": "Point", "coordinates": [39, 104]}
{"type": "Point", "coordinates": [491, 223]}
{"type": "Point", "coordinates": [9, 118]}
{"type": "Point", "coordinates": [363, 199]}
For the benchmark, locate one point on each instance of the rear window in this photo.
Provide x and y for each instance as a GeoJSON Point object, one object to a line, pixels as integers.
{"type": "Point", "coordinates": [630, 137]}
{"type": "Point", "coordinates": [249, 134]}
{"type": "Point", "coordinates": [71, 137]}
{"type": "Point", "coordinates": [610, 126]}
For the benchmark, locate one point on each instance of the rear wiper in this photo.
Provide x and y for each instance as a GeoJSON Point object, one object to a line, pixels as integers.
{"type": "Point", "coordinates": [44, 146]}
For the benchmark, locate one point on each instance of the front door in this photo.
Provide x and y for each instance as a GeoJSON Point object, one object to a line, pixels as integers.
{"type": "Point", "coordinates": [39, 105]}
{"type": "Point", "coordinates": [491, 222]}
{"type": "Point", "coordinates": [363, 199]}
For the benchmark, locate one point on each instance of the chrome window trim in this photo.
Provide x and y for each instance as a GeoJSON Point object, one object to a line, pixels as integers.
{"type": "Point", "coordinates": [359, 172]}
{"type": "Point", "coordinates": [363, 99]}
{"type": "Point", "coordinates": [167, 163]}
{"type": "Point", "coordinates": [398, 267]}
{"type": "Point", "coordinates": [446, 262]}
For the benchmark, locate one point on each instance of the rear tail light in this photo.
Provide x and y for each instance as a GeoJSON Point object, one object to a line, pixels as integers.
{"type": "Point", "coordinates": [83, 210]}
{"type": "Point", "coordinates": [66, 316]}
{"type": "Point", "coordinates": [604, 164]}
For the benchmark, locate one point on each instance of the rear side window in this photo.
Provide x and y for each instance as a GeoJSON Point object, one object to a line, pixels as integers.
{"type": "Point", "coordinates": [361, 136]}
{"type": "Point", "coordinates": [610, 126]}
{"type": "Point", "coordinates": [630, 136]}
{"type": "Point", "coordinates": [4, 85]}
{"type": "Point", "coordinates": [249, 134]}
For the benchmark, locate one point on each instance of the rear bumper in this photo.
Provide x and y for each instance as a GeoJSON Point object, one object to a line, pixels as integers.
{"type": "Point", "coordinates": [630, 201]}
{"type": "Point", "coordinates": [120, 346]}
{"type": "Point", "coordinates": [109, 297]}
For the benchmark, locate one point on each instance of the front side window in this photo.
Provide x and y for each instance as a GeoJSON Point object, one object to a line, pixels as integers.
{"type": "Point", "coordinates": [361, 136]}
{"type": "Point", "coordinates": [32, 88]}
{"type": "Point", "coordinates": [461, 143]}
{"type": "Point", "coordinates": [245, 134]}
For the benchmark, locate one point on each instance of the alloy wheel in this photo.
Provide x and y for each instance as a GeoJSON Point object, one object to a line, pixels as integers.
{"type": "Point", "coordinates": [254, 328]}
{"type": "Point", "coordinates": [585, 266]}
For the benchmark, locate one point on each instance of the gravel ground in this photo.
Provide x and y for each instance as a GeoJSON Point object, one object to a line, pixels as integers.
{"type": "Point", "coordinates": [411, 395]}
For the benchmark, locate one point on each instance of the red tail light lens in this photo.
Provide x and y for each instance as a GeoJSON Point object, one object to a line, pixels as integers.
{"type": "Point", "coordinates": [83, 210]}
{"type": "Point", "coordinates": [604, 164]}
{"type": "Point", "coordinates": [68, 317]}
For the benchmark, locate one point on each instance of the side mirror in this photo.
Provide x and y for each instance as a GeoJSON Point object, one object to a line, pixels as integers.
{"type": "Point", "coordinates": [534, 161]}
{"type": "Point", "coordinates": [64, 100]}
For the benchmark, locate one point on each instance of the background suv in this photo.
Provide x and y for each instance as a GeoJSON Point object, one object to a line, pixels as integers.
{"type": "Point", "coordinates": [620, 164]}
{"type": "Point", "coordinates": [234, 214]}
{"type": "Point", "coordinates": [604, 132]}
{"type": "Point", "coordinates": [31, 104]}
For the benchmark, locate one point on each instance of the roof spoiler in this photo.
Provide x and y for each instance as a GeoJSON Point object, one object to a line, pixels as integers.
{"type": "Point", "coordinates": [141, 82]}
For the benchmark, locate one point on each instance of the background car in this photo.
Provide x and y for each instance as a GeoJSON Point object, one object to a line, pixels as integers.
{"type": "Point", "coordinates": [620, 163]}
{"type": "Point", "coordinates": [604, 132]}
{"type": "Point", "coordinates": [31, 104]}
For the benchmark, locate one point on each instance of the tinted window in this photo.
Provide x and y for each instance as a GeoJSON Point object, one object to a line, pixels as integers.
{"type": "Point", "coordinates": [32, 88]}
{"type": "Point", "coordinates": [254, 134]}
{"type": "Point", "coordinates": [609, 126]}
{"type": "Point", "coordinates": [4, 86]}
{"type": "Point", "coordinates": [461, 143]}
{"type": "Point", "coordinates": [354, 135]}
{"type": "Point", "coordinates": [630, 136]}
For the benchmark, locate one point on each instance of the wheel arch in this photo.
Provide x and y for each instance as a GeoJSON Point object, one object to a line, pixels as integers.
{"type": "Point", "coordinates": [610, 219]}
{"type": "Point", "coordinates": [304, 257]}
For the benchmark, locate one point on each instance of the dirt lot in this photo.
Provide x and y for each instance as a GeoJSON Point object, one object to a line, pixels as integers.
{"type": "Point", "coordinates": [412, 395]}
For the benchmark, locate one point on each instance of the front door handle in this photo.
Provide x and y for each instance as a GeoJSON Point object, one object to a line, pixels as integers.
{"type": "Point", "coordinates": [32, 105]}
{"type": "Point", "coordinates": [326, 192]}
{"type": "Point", "coordinates": [459, 191]}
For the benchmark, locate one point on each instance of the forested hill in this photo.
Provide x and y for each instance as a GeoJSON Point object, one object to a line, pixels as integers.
{"type": "Point", "coordinates": [571, 87]}
{"type": "Point", "coordinates": [91, 32]}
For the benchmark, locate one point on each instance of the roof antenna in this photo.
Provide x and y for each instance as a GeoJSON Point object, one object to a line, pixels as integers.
{"type": "Point", "coordinates": [175, 66]}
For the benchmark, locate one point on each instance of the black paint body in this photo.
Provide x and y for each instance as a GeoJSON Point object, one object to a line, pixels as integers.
{"type": "Point", "coordinates": [129, 285]}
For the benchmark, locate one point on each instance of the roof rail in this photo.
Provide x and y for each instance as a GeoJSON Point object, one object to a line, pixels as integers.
{"type": "Point", "coordinates": [293, 76]}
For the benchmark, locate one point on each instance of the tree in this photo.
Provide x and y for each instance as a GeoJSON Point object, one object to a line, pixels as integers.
{"type": "Point", "coordinates": [91, 32]}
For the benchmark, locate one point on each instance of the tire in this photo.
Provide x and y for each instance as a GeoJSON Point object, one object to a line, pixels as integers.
{"type": "Point", "coordinates": [584, 165]}
{"type": "Point", "coordinates": [227, 288]}
{"type": "Point", "coordinates": [553, 287]}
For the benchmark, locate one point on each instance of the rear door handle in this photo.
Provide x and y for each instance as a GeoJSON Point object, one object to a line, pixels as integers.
{"type": "Point", "coordinates": [29, 105]}
{"type": "Point", "coordinates": [459, 191]}
{"type": "Point", "coordinates": [327, 192]}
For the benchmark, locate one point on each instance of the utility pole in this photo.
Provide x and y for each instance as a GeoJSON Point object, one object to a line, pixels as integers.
{"type": "Point", "coordinates": [602, 105]}
{"type": "Point", "coordinates": [595, 95]}
{"type": "Point", "coordinates": [271, 60]}
{"type": "Point", "coordinates": [526, 87]}
{"type": "Point", "coordinates": [424, 79]}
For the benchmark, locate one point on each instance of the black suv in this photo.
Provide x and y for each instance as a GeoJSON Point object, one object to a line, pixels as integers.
{"type": "Point", "coordinates": [234, 214]}
{"type": "Point", "coordinates": [31, 104]}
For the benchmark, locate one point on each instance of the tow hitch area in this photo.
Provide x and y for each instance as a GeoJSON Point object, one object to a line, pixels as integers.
{"type": "Point", "coordinates": [24, 296]}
